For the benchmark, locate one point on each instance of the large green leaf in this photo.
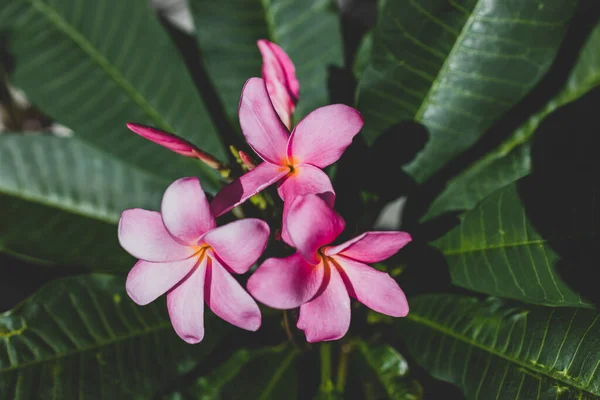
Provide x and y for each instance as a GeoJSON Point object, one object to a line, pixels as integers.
{"type": "Point", "coordinates": [309, 31]}
{"type": "Point", "coordinates": [83, 338]}
{"type": "Point", "coordinates": [496, 250]}
{"type": "Point", "coordinates": [456, 67]}
{"type": "Point", "coordinates": [61, 200]}
{"type": "Point", "coordinates": [511, 160]}
{"type": "Point", "coordinates": [267, 373]}
{"type": "Point", "coordinates": [95, 65]}
{"type": "Point", "coordinates": [493, 350]}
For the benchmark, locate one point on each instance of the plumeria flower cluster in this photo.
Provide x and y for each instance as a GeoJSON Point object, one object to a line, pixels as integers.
{"type": "Point", "coordinates": [183, 253]}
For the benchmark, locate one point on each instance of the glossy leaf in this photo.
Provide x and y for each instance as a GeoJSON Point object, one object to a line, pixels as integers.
{"type": "Point", "coordinates": [496, 250]}
{"type": "Point", "coordinates": [95, 65]}
{"type": "Point", "coordinates": [456, 67]}
{"type": "Point", "coordinates": [61, 200]}
{"type": "Point", "coordinates": [511, 160]}
{"type": "Point", "coordinates": [267, 373]}
{"type": "Point", "coordinates": [82, 338]}
{"type": "Point", "coordinates": [382, 372]}
{"type": "Point", "coordinates": [309, 31]}
{"type": "Point", "coordinates": [492, 350]}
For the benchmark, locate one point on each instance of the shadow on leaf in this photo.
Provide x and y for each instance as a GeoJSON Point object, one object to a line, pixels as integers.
{"type": "Point", "coordinates": [562, 195]}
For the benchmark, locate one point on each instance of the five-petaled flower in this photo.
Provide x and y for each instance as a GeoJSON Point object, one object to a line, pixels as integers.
{"type": "Point", "coordinates": [182, 252]}
{"type": "Point", "coordinates": [319, 278]}
{"type": "Point", "coordinates": [279, 74]}
{"type": "Point", "coordinates": [293, 160]}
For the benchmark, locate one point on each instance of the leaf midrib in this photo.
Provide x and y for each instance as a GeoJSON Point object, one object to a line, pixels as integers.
{"type": "Point", "coordinates": [451, 252]}
{"type": "Point", "coordinates": [443, 70]}
{"type": "Point", "coordinates": [112, 72]}
{"type": "Point", "coordinates": [85, 45]}
{"type": "Point", "coordinates": [442, 329]}
{"type": "Point", "coordinates": [85, 349]}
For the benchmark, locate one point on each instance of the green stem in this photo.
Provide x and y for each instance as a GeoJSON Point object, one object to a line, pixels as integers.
{"type": "Point", "coordinates": [325, 364]}
{"type": "Point", "coordinates": [343, 367]}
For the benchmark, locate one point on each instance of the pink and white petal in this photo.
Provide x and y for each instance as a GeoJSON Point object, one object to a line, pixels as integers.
{"type": "Point", "coordinates": [287, 66]}
{"type": "Point", "coordinates": [375, 289]}
{"type": "Point", "coordinates": [246, 186]}
{"type": "Point", "coordinates": [371, 247]}
{"type": "Point", "coordinates": [228, 299]}
{"type": "Point", "coordinates": [312, 223]}
{"type": "Point", "coordinates": [323, 135]}
{"type": "Point", "coordinates": [261, 126]}
{"type": "Point", "coordinates": [165, 139]}
{"type": "Point", "coordinates": [185, 303]}
{"type": "Point", "coordinates": [147, 280]}
{"type": "Point", "coordinates": [306, 179]}
{"type": "Point", "coordinates": [185, 211]}
{"type": "Point", "coordinates": [143, 235]}
{"type": "Point", "coordinates": [327, 317]}
{"type": "Point", "coordinates": [285, 283]}
{"type": "Point", "coordinates": [239, 244]}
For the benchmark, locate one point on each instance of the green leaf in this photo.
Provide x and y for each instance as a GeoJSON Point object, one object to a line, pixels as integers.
{"type": "Point", "coordinates": [267, 373]}
{"type": "Point", "coordinates": [82, 337]}
{"type": "Point", "coordinates": [61, 200]}
{"type": "Point", "coordinates": [95, 65]}
{"type": "Point", "coordinates": [309, 31]}
{"type": "Point", "coordinates": [493, 350]}
{"type": "Point", "coordinates": [456, 67]}
{"type": "Point", "coordinates": [511, 160]}
{"type": "Point", "coordinates": [496, 250]}
{"type": "Point", "coordinates": [383, 373]}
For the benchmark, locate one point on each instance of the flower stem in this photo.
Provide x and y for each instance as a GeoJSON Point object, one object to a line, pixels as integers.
{"type": "Point", "coordinates": [288, 329]}
{"type": "Point", "coordinates": [345, 350]}
{"type": "Point", "coordinates": [325, 364]}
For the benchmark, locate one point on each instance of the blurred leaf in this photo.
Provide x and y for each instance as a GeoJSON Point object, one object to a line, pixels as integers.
{"type": "Point", "coordinates": [512, 160]}
{"type": "Point", "coordinates": [363, 54]}
{"type": "Point", "coordinates": [496, 250]}
{"type": "Point", "coordinates": [382, 372]}
{"type": "Point", "coordinates": [456, 67]}
{"type": "Point", "coordinates": [95, 65]}
{"type": "Point", "coordinates": [267, 373]}
{"type": "Point", "coordinates": [309, 31]}
{"type": "Point", "coordinates": [82, 337]}
{"type": "Point", "coordinates": [61, 200]}
{"type": "Point", "coordinates": [492, 350]}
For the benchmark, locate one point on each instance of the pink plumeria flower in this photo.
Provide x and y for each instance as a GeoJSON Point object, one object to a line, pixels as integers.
{"type": "Point", "coordinates": [182, 252]}
{"type": "Point", "coordinates": [295, 160]}
{"type": "Point", "coordinates": [176, 144]}
{"type": "Point", "coordinates": [279, 74]}
{"type": "Point", "coordinates": [319, 278]}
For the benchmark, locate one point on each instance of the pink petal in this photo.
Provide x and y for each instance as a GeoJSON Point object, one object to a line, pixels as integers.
{"type": "Point", "coordinates": [240, 243]}
{"type": "Point", "coordinates": [261, 126]}
{"type": "Point", "coordinates": [371, 247]}
{"type": "Point", "coordinates": [323, 135]}
{"type": "Point", "coordinates": [185, 210]}
{"type": "Point", "coordinates": [311, 223]}
{"type": "Point", "coordinates": [228, 299]}
{"type": "Point", "coordinates": [375, 289]}
{"type": "Point", "coordinates": [165, 139]}
{"type": "Point", "coordinates": [147, 280]}
{"type": "Point", "coordinates": [246, 186]}
{"type": "Point", "coordinates": [305, 179]}
{"type": "Point", "coordinates": [286, 64]}
{"type": "Point", "coordinates": [279, 74]}
{"type": "Point", "coordinates": [186, 305]}
{"type": "Point", "coordinates": [285, 283]}
{"type": "Point", "coordinates": [327, 317]}
{"type": "Point", "coordinates": [143, 235]}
